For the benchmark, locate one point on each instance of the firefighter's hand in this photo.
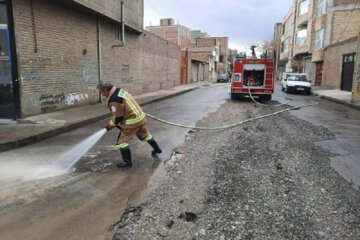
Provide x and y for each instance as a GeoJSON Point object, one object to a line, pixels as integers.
{"type": "Point", "coordinates": [109, 127]}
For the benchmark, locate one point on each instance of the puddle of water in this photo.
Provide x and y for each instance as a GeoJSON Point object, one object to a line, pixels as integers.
{"type": "Point", "coordinates": [12, 174]}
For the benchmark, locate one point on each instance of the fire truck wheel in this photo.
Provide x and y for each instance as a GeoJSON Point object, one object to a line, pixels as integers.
{"type": "Point", "coordinates": [233, 96]}
{"type": "Point", "coordinates": [266, 97]}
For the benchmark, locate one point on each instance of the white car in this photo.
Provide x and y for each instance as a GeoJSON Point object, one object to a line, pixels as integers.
{"type": "Point", "coordinates": [296, 83]}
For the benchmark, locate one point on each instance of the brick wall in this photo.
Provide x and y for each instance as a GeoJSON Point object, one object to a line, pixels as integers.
{"type": "Point", "coordinates": [205, 42]}
{"type": "Point", "coordinates": [342, 19]}
{"type": "Point", "coordinates": [60, 74]}
{"type": "Point", "coordinates": [175, 33]}
{"type": "Point", "coordinates": [343, 2]}
{"type": "Point", "coordinates": [134, 10]}
{"type": "Point", "coordinates": [147, 63]}
{"type": "Point", "coordinates": [63, 72]}
{"type": "Point", "coordinates": [333, 62]}
{"type": "Point", "coordinates": [356, 83]}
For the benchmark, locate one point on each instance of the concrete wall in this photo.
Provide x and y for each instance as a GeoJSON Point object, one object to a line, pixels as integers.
{"type": "Point", "coordinates": [57, 49]}
{"type": "Point", "coordinates": [333, 62]}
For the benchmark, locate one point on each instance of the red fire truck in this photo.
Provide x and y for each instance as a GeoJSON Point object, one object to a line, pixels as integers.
{"type": "Point", "coordinates": [255, 75]}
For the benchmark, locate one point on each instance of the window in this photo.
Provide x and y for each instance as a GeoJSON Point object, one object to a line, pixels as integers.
{"type": "Point", "coordinates": [303, 7]}
{"type": "Point", "coordinates": [301, 37]}
{"type": "Point", "coordinates": [319, 39]}
{"type": "Point", "coordinates": [237, 77]}
{"type": "Point", "coordinates": [287, 26]}
{"type": "Point", "coordinates": [3, 17]}
{"type": "Point", "coordinates": [322, 7]}
{"type": "Point", "coordinates": [285, 46]}
{"type": "Point", "coordinates": [349, 58]}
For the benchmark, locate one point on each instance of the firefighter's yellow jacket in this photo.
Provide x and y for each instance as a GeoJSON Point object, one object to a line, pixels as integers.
{"type": "Point", "coordinates": [125, 110]}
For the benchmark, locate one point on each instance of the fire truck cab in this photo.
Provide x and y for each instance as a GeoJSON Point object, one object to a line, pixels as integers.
{"type": "Point", "coordinates": [254, 75]}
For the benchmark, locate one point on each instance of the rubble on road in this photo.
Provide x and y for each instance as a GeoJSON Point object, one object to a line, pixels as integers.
{"type": "Point", "coordinates": [263, 180]}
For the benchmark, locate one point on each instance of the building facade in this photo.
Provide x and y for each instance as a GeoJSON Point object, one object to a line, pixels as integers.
{"type": "Point", "coordinates": [195, 34]}
{"type": "Point", "coordinates": [55, 53]}
{"type": "Point", "coordinates": [220, 44]}
{"type": "Point", "coordinates": [277, 46]}
{"type": "Point", "coordinates": [207, 55]}
{"type": "Point", "coordinates": [320, 37]}
{"type": "Point", "coordinates": [172, 32]}
{"type": "Point", "coordinates": [287, 42]}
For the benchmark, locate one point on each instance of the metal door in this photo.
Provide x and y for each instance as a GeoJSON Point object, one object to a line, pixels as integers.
{"type": "Point", "coordinates": [183, 73]}
{"type": "Point", "coordinates": [7, 106]}
{"type": "Point", "coordinates": [347, 72]}
{"type": "Point", "coordinates": [318, 75]}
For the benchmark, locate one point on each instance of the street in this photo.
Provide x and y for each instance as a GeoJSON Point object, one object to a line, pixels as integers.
{"type": "Point", "coordinates": [94, 197]}
{"type": "Point", "coordinates": [291, 176]}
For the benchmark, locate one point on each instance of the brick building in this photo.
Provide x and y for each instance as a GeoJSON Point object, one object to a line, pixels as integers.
{"type": "Point", "coordinates": [277, 46]}
{"type": "Point", "coordinates": [325, 37]}
{"type": "Point", "coordinates": [56, 52]}
{"type": "Point", "coordinates": [195, 34]}
{"type": "Point", "coordinates": [221, 51]}
{"type": "Point", "coordinates": [172, 32]}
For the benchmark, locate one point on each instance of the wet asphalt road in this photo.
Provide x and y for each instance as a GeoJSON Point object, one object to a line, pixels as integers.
{"type": "Point", "coordinates": [83, 204]}
{"type": "Point", "coordinates": [341, 120]}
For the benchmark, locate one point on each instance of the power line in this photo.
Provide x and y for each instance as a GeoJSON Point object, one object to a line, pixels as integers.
{"type": "Point", "coordinates": [153, 7]}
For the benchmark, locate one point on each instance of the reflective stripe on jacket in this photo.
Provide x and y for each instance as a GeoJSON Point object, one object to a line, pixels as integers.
{"type": "Point", "coordinates": [124, 108]}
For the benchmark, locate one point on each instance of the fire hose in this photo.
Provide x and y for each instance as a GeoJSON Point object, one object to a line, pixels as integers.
{"type": "Point", "coordinates": [313, 103]}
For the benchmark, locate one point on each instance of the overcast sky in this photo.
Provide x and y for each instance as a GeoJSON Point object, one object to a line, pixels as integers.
{"type": "Point", "coordinates": [244, 21]}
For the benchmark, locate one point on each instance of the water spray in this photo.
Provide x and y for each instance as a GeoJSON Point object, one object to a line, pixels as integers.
{"type": "Point", "coordinates": [68, 159]}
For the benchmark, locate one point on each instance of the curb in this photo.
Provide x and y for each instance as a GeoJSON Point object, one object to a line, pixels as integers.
{"type": "Point", "coordinates": [41, 136]}
{"type": "Point", "coordinates": [351, 105]}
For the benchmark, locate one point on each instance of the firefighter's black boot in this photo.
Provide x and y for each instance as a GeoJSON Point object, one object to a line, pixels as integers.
{"type": "Point", "coordinates": [126, 155]}
{"type": "Point", "coordinates": [155, 146]}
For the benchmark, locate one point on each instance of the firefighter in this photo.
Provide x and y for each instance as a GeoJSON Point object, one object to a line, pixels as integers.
{"type": "Point", "coordinates": [129, 118]}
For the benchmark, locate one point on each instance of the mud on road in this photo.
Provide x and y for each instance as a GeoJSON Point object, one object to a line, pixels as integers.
{"type": "Point", "coordinates": [261, 180]}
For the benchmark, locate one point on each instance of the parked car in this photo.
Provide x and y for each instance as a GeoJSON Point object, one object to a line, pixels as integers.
{"type": "Point", "coordinates": [296, 83]}
{"type": "Point", "coordinates": [222, 78]}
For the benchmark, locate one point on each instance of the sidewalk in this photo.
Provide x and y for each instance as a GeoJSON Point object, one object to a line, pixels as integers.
{"type": "Point", "coordinates": [32, 129]}
{"type": "Point", "coordinates": [338, 96]}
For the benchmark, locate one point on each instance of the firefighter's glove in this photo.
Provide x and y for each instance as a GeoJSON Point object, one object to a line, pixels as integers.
{"type": "Point", "coordinates": [109, 127]}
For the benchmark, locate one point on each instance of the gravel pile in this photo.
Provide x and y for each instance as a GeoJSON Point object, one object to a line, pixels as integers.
{"type": "Point", "coordinates": [263, 180]}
